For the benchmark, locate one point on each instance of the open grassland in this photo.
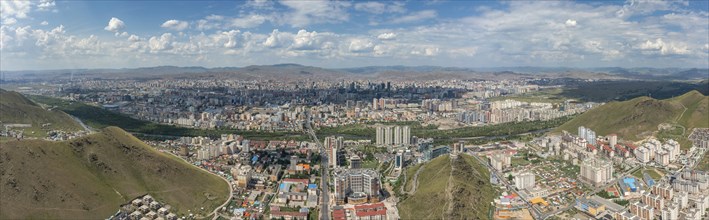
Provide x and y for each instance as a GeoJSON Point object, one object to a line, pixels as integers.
{"type": "Point", "coordinates": [16, 109]}
{"type": "Point", "coordinates": [463, 178]}
{"type": "Point", "coordinates": [90, 177]}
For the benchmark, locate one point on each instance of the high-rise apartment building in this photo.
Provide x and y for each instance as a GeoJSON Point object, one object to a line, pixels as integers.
{"type": "Point", "coordinates": [596, 171]}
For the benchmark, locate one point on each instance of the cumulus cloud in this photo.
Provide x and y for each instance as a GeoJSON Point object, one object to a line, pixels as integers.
{"type": "Point", "coordinates": [164, 42]}
{"type": "Point", "coordinates": [278, 39]}
{"type": "Point", "coordinates": [415, 17]}
{"type": "Point", "coordinates": [46, 5]}
{"type": "Point", "coordinates": [550, 33]}
{"type": "Point", "coordinates": [175, 25]}
{"type": "Point", "coordinates": [10, 11]}
{"type": "Point", "coordinates": [133, 38]}
{"type": "Point", "coordinates": [114, 25]}
{"type": "Point", "coordinates": [664, 48]}
{"type": "Point", "coordinates": [387, 36]}
{"type": "Point", "coordinates": [305, 40]}
{"type": "Point", "coordinates": [570, 23]}
{"type": "Point", "coordinates": [228, 39]}
{"type": "Point", "coordinates": [361, 46]}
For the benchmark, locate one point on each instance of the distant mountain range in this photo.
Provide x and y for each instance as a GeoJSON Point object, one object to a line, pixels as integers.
{"type": "Point", "coordinates": [299, 72]}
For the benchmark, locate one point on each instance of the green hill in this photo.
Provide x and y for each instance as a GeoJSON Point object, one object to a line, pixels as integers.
{"type": "Point", "coordinates": [16, 109]}
{"type": "Point", "coordinates": [458, 189]}
{"type": "Point", "coordinates": [640, 117]}
{"type": "Point", "coordinates": [89, 177]}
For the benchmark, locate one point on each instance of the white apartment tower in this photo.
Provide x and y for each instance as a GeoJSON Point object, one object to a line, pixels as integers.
{"type": "Point", "coordinates": [524, 181]}
{"type": "Point", "coordinates": [596, 171]}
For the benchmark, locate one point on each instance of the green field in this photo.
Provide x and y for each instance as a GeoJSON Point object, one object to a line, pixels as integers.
{"type": "Point", "coordinates": [640, 117]}
{"type": "Point", "coordinates": [98, 117]}
{"type": "Point", "coordinates": [16, 109]}
{"type": "Point", "coordinates": [652, 172]}
{"type": "Point", "coordinates": [469, 186]}
{"type": "Point", "coordinates": [92, 175]}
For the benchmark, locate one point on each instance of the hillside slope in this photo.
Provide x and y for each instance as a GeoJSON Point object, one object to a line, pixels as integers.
{"type": "Point", "coordinates": [639, 117]}
{"type": "Point", "coordinates": [90, 177]}
{"type": "Point", "coordinates": [16, 109]}
{"type": "Point", "coordinates": [458, 189]}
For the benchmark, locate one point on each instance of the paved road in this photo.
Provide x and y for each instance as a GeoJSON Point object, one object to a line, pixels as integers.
{"type": "Point", "coordinates": [324, 185]}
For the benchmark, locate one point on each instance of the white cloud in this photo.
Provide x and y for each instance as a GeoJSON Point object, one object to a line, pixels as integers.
{"type": "Point", "coordinates": [175, 25]}
{"type": "Point", "coordinates": [133, 38]}
{"type": "Point", "coordinates": [415, 17]}
{"type": "Point", "coordinates": [304, 13]}
{"type": "Point", "coordinates": [9, 21]}
{"type": "Point", "coordinates": [380, 8]}
{"type": "Point", "coordinates": [249, 21]}
{"type": "Point", "coordinates": [463, 52]}
{"type": "Point", "coordinates": [13, 10]}
{"type": "Point", "coordinates": [305, 40]}
{"type": "Point", "coordinates": [361, 45]}
{"type": "Point", "coordinates": [114, 25]}
{"type": "Point", "coordinates": [228, 39]}
{"type": "Point", "coordinates": [665, 48]}
{"type": "Point", "coordinates": [210, 22]}
{"type": "Point", "coordinates": [387, 36]}
{"type": "Point", "coordinates": [46, 5]}
{"type": "Point", "coordinates": [551, 33]}
{"type": "Point", "coordinates": [278, 39]}
{"type": "Point", "coordinates": [570, 23]}
{"type": "Point", "coordinates": [44, 23]}
{"type": "Point", "coordinates": [164, 42]}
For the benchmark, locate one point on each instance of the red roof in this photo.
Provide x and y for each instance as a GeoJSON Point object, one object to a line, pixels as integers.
{"type": "Point", "coordinates": [621, 148]}
{"type": "Point", "coordinates": [372, 213]}
{"type": "Point", "coordinates": [370, 206]}
{"type": "Point", "coordinates": [631, 146]}
{"type": "Point", "coordinates": [607, 148]}
{"type": "Point", "coordinates": [339, 214]}
{"type": "Point", "coordinates": [590, 146]}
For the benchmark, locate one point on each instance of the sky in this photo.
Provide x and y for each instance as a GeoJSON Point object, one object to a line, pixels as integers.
{"type": "Point", "coordinates": [50, 34]}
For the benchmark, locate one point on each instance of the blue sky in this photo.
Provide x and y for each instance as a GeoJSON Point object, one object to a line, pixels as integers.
{"type": "Point", "coordinates": [123, 34]}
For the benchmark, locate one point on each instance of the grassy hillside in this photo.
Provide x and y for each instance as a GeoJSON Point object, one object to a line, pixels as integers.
{"type": "Point", "coordinates": [16, 109]}
{"type": "Point", "coordinates": [90, 177]}
{"type": "Point", "coordinates": [450, 190]}
{"type": "Point", "coordinates": [639, 117]}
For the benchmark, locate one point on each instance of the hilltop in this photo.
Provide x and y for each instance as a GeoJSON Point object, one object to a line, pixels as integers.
{"type": "Point", "coordinates": [448, 189]}
{"type": "Point", "coordinates": [90, 177]}
{"type": "Point", "coordinates": [640, 117]}
{"type": "Point", "coordinates": [16, 109]}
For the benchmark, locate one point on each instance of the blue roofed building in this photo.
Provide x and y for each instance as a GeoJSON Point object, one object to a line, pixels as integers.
{"type": "Point", "coordinates": [648, 180]}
